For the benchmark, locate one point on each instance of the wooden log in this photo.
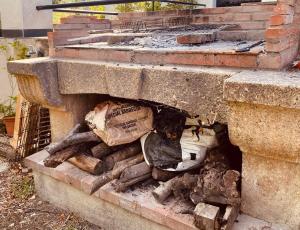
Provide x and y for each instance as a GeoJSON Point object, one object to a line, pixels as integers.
{"type": "Point", "coordinates": [116, 172]}
{"type": "Point", "coordinates": [123, 186]}
{"type": "Point", "coordinates": [102, 150]}
{"type": "Point", "coordinates": [162, 192]}
{"type": "Point", "coordinates": [206, 217]}
{"type": "Point", "coordinates": [88, 163]}
{"type": "Point", "coordinates": [162, 175]}
{"type": "Point", "coordinates": [59, 157]}
{"type": "Point", "coordinates": [135, 171]}
{"type": "Point", "coordinates": [72, 138]}
{"type": "Point", "coordinates": [231, 214]}
{"type": "Point", "coordinates": [122, 165]}
{"type": "Point", "coordinates": [122, 154]}
{"type": "Point", "coordinates": [101, 181]}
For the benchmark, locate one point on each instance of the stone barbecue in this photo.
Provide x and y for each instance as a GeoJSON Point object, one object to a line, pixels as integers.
{"type": "Point", "coordinates": [227, 64]}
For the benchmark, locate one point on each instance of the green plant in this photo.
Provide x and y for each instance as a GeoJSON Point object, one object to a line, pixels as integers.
{"type": "Point", "coordinates": [23, 187]}
{"type": "Point", "coordinates": [148, 6]}
{"type": "Point", "coordinates": [8, 109]}
{"type": "Point", "coordinates": [14, 50]}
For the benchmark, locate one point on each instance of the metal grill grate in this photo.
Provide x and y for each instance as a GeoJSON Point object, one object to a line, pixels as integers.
{"type": "Point", "coordinates": [34, 131]}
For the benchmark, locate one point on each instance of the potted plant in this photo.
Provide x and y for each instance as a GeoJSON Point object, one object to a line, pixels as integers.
{"type": "Point", "coordinates": [8, 111]}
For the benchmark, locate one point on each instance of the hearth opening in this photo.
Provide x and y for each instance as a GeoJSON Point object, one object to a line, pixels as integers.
{"type": "Point", "coordinates": [146, 148]}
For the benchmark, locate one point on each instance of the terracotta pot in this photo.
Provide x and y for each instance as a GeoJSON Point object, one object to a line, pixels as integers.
{"type": "Point", "coordinates": [9, 125]}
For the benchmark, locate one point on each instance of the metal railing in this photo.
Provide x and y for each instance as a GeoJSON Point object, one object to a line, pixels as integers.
{"type": "Point", "coordinates": [109, 2]}
{"type": "Point", "coordinates": [85, 11]}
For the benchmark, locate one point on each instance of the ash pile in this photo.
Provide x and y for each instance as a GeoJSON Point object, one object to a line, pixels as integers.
{"type": "Point", "coordinates": [133, 144]}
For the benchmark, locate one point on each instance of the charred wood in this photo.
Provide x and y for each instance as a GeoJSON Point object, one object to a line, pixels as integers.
{"type": "Point", "coordinates": [63, 155]}
{"type": "Point", "coordinates": [162, 175]}
{"type": "Point", "coordinates": [116, 172]}
{"type": "Point", "coordinates": [102, 150]}
{"type": "Point", "coordinates": [73, 138]}
{"type": "Point", "coordinates": [128, 151]}
{"type": "Point", "coordinates": [123, 186]}
{"type": "Point", "coordinates": [122, 165]}
{"type": "Point", "coordinates": [162, 192]}
{"type": "Point", "coordinates": [135, 171]}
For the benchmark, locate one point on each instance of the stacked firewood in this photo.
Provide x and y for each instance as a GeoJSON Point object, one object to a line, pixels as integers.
{"type": "Point", "coordinates": [86, 151]}
{"type": "Point", "coordinates": [212, 187]}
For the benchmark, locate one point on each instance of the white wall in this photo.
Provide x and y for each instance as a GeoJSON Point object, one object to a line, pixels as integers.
{"type": "Point", "coordinates": [5, 79]}
{"type": "Point", "coordinates": [22, 14]}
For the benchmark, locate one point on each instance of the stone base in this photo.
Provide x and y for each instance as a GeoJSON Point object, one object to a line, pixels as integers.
{"type": "Point", "coordinates": [110, 216]}
{"type": "Point", "coordinates": [97, 211]}
{"type": "Point", "coordinates": [271, 190]}
{"type": "Point", "coordinates": [67, 187]}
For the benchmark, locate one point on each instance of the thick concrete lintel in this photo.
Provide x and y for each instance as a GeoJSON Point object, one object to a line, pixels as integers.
{"type": "Point", "coordinates": [199, 91]}
{"type": "Point", "coordinates": [195, 90]}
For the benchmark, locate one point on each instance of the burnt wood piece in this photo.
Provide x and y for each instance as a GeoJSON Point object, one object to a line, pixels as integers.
{"type": "Point", "coordinates": [129, 151]}
{"type": "Point", "coordinates": [116, 172]}
{"type": "Point", "coordinates": [122, 165]}
{"type": "Point", "coordinates": [123, 186]}
{"type": "Point", "coordinates": [162, 192]}
{"type": "Point", "coordinates": [102, 150]}
{"type": "Point", "coordinates": [162, 175]}
{"type": "Point", "coordinates": [73, 138]}
{"type": "Point", "coordinates": [217, 183]}
{"type": "Point", "coordinates": [135, 171]}
{"type": "Point", "coordinates": [88, 163]}
{"type": "Point", "coordinates": [231, 214]}
{"type": "Point", "coordinates": [63, 155]}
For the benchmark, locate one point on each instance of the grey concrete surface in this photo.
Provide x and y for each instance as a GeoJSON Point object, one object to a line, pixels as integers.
{"type": "Point", "coordinates": [112, 217]}
{"type": "Point", "coordinates": [264, 87]}
{"type": "Point", "coordinates": [97, 211]}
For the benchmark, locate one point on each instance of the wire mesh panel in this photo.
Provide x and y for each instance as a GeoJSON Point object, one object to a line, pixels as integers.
{"type": "Point", "coordinates": [34, 130]}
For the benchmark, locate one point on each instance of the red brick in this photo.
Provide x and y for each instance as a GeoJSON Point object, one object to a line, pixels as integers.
{"type": "Point", "coordinates": [276, 33]}
{"type": "Point", "coordinates": [218, 10]}
{"type": "Point", "coordinates": [74, 26]}
{"type": "Point", "coordinates": [282, 44]}
{"type": "Point", "coordinates": [201, 19]}
{"type": "Point", "coordinates": [252, 8]}
{"type": "Point", "coordinates": [196, 38]}
{"type": "Point", "coordinates": [236, 60]}
{"type": "Point", "coordinates": [255, 25]}
{"type": "Point", "coordinates": [287, 2]}
{"type": "Point", "coordinates": [261, 16]}
{"type": "Point", "coordinates": [281, 20]}
{"type": "Point", "coordinates": [242, 17]}
{"type": "Point", "coordinates": [51, 52]}
{"type": "Point", "coordinates": [283, 9]}
{"type": "Point", "coordinates": [77, 20]}
{"type": "Point", "coordinates": [277, 60]}
{"type": "Point", "coordinates": [296, 19]}
{"type": "Point", "coordinates": [221, 18]}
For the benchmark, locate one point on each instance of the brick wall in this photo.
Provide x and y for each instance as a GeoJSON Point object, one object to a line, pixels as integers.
{"type": "Point", "coordinates": [247, 17]}
{"type": "Point", "coordinates": [282, 35]}
{"type": "Point", "coordinates": [75, 26]}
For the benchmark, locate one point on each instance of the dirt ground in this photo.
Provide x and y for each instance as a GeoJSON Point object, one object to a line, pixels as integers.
{"type": "Point", "coordinates": [21, 208]}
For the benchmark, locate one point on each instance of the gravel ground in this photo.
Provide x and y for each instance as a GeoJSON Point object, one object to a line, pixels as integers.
{"type": "Point", "coordinates": [21, 208]}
